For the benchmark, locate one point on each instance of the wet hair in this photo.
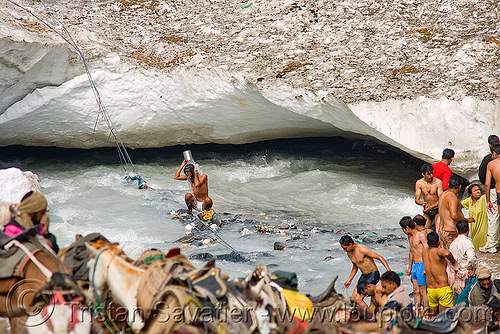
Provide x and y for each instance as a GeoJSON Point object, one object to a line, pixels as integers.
{"type": "Point", "coordinates": [469, 189]}
{"type": "Point", "coordinates": [419, 220]}
{"type": "Point", "coordinates": [391, 276]}
{"type": "Point", "coordinates": [495, 148]}
{"type": "Point", "coordinates": [432, 239]}
{"type": "Point", "coordinates": [346, 240]}
{"type": "Point", "coordinates": [407, 221]}
{"type": "Point", "coordinates": [361, 288]}
{"type": "Point", "coordinates": [493, 139]}
{"type": "Point", "coordinates": [427, 168]}
{"type": "Point", "coordinates": [189, 168]}
{"type": "Point", "coordinates": [455, 182]}
{"type": "Point", "coordinates": [494, 304]}
{"type": "Point", "coordinates": [448, 153]}
{"type": "Point", "coordinates": [462, 226]}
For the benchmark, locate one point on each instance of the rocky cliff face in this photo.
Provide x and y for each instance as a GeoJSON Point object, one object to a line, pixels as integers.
{"type": "Point", "coordinates": [419, 75]}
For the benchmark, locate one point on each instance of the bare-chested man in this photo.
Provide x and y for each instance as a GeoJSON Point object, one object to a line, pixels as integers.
{"type": "Point", "coordinates": [439, 291]}
{"type": "Point", "coordinates": [362, 258]}
{"type": "Point", "coordinates": [418, 241]}
{"type": "Point", "coordinates": [376, 293]}
{"type": "Point", "coordinates": [493, 171]}
{"type": "Point", "coordinates": [420, 222]}
{"type": "Point", "coordinates": [199, 183]}
{"type": "Point", "coordinates": [450, 212]}
{"type": "Point", "coordinates": [431, 188]}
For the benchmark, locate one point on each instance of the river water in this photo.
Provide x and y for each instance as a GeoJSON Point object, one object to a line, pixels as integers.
{"type": "Point", "coordinates": [321, 186]}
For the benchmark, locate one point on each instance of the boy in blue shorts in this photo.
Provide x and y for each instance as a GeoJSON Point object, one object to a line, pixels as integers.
{"type": "Point", "coordinates": [418, 241]}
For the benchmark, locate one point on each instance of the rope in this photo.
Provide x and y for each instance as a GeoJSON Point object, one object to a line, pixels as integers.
{"type": "Point", "coordinates": [125, 160]}
{"type": "Point", "coordinates": [220, 239]}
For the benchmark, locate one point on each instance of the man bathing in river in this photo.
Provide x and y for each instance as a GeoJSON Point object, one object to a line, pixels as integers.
{"type": "Point", "coordinates": [431, 188]}
{"type": "Point", "coordinates": [362, 258]}
{"type": "Point", "coordinates": [199, 183]}
{"type": "Point", "coordinates": [450, 212]}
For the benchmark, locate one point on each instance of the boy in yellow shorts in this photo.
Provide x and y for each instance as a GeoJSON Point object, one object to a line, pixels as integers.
{"type": "Point", "coordinates": [439, 291]}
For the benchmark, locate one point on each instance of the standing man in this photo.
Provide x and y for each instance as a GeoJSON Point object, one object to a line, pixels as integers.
{"type": "Point", "coordinates": [450, 212]}
{"type": "Point", "coordinates": [199, 183]}
{"type": "Point", "coordinates": [417, 240]}
{"type": "Point", "coordinates": [462, 250]}
{"type": "Point", "coordinates": [492, 185]}
{"type": "Point", "coordinates": [431, 188]}
{"type": "Point", "coordinates": [441, 169]}
{"type": "Point", "coordinates": [439, 291]}
{"type": "Point", "coordinates": [362, 258]}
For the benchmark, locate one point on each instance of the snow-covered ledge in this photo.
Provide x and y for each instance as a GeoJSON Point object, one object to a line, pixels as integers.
{"type": "Point", "coordinates": [15, 183]}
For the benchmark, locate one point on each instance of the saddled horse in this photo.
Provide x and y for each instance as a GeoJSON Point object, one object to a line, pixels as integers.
{"type": "Point", "coordinates": [28, 263]}
{"type": "Point", "coordinates": [108, 272]}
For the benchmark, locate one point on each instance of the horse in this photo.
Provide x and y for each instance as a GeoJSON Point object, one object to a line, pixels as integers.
{"type": "Point", "coordinates": [108, 272]}
{"type": "Point", "coordinates": [61, 316]}
{"type": "Point", "coordinates": [27, 265]}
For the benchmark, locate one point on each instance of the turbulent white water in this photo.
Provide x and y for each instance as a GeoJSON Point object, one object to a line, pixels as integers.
{"type": "Point", "coordinates": [318, 185]}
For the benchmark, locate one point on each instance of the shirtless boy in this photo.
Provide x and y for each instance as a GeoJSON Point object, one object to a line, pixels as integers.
{"type": "Point", "coordinates": [420, 222]}
{"type": "Point", "coordinates": [199, 183]}
{"type": "Point", "coordinates": [417, 242]}
{"type": "Point", "coordinates": [493, 170]}
{"type": "Point", "coordinates": [450, 212]}
{"type": "Point", "coordinates": [431, 188]}
{"type": "Point", "coordinates": [376, 293]}
{"type": "Point", "coordinates": [439, 291]}
{"type": "Point", "coordinates": [362, 258]}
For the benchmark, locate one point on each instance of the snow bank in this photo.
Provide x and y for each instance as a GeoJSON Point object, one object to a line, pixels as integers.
{"type": "Point", "coordinates": [151, 109]}
{"type": "Point", "coordinates": [14, 183]}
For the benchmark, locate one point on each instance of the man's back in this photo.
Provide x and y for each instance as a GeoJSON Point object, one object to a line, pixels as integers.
{"type": "Point", "coordinates": [447, 205]}
{"type": "Point", "coordinates": [442, 172]}
{"type": "Point", "coordinates": [435, 267]}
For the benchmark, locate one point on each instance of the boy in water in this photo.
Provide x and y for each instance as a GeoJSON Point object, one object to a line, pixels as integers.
{"type": "Point", "coordinates": [431, 188]}
{"type": "Point", "coordinates": [439, 291]}
{"type": "Point", "coordinates": [199, 183]}
{"type": "Point", "coordinates": [417, 242]}
{"type": "Point", "coordinates": [362, 258]}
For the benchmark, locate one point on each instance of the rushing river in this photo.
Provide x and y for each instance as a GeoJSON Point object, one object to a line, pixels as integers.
{"type": "Point", "coordinates": [320, 185]}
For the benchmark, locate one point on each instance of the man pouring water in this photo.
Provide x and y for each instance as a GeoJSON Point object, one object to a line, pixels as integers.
{"type": "Point", "coordinates": [199, 183]}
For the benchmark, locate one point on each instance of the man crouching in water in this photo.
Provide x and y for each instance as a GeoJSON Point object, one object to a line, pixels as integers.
{"type": "Point", "coordinates": [199, 183]}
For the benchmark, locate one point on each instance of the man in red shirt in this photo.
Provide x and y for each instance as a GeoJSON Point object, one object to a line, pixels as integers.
{"type": "Point", "coordinates": [441, 169]}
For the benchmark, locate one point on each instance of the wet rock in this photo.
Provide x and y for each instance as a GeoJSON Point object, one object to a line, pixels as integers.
{"type": "Point", "coordinates": [188, 238]}
{"type": "Point", "coordinates": [279, 246]}
{"type": "Point", "coordinates": [202, 256]}
{"type": "Point", "coordinates": [232, 257]}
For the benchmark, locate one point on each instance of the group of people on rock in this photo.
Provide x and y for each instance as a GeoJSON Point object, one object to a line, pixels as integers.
{"type": "Point", "coordinates": [443, 266]}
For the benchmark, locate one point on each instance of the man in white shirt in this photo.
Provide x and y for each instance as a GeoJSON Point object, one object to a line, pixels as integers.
{"type": "Point", "coordinates": [462, 249]}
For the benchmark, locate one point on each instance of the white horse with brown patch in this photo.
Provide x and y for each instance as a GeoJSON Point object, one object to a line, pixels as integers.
{"type": "Point", "coordinates": [108, 271]}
